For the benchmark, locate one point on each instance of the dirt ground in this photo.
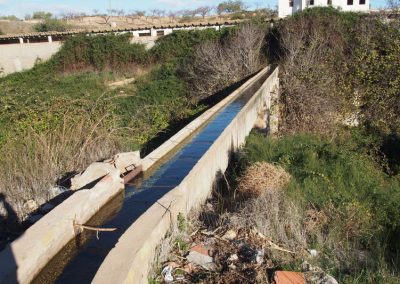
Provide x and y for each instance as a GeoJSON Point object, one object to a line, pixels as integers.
{"type": "Point", "coordinates": [15, 27]}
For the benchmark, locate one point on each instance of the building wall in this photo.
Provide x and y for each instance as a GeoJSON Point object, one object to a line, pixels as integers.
{"type": "Point", "coordinates": [299, 5]}
{"type": "Point", "coordinates": [17, 57]}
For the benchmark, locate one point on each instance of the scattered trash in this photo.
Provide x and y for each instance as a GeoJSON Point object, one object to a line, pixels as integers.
{"type": "Point", "coordinates": [289, 277]}
{"type": "Point", "coordinates": [313, 252]}
{"type": "Point", "coordinates": [229, 235]}
{"type": "Point", "coordinates": [167, 274]}
{"type": "Point", "coordinates": [205, 261]}
{"type": "Point", "coordinates": [315, 274]}
{"type": "Point", "coordinates": [233, 257]}
{"type": "Point", "coordinates": [260, 256]}
{"type": "Point", "coordinates": [241, 255]}
{"type": "Point", "coordinates": [247, 254]}
{"type": "Point", "coordinates": [200, 249]}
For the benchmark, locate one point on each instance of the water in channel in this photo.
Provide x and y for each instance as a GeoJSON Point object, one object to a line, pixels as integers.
{"type": "Point", "coordinates": [85, 259]}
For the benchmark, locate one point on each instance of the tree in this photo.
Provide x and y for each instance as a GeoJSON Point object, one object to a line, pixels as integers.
{"type": "Point", "coordinates": [204, 10]}
{"type": "Point", "coordinates": [51, 25]}
{"type": "Point", "coordinates": [172, 15]}
{"type": "Point", "coordinates": [41, 15]}
{"type": "Point", "coordinates": [230, 6]}
{"type": "Point", "coordinates": [140, 13]}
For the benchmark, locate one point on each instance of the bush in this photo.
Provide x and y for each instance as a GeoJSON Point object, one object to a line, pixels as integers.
{"type": "Point", "coordinates": [359, 203]}
{"type": "Point", "coordinates": [51, 25]}
{"type": "Point", "coordinates": [338, 67]}
{"type": "Point", "coordinates": [375, 74]}
{"type": "Point", "coordinates": [10, 18]}
{"type": "Point", "coordinates": [216, 64]}
{"type": "Point", "coordinates": [99, 52]}
{"type": "Point", "coordinates": [180, 44]}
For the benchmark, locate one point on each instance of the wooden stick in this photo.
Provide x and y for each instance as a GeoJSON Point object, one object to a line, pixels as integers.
{"type": "Point", "coordinates": [90, 228]}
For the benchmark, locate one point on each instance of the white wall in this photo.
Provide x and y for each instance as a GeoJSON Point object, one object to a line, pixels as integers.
{"type": "Point", "coordinates": [18, 57]}
{"type": "Point", "coordinates": [298, 5]}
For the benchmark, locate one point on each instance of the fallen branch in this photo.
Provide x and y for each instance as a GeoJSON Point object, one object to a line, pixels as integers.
{"type": "Point", "coordinates": [90, 228]}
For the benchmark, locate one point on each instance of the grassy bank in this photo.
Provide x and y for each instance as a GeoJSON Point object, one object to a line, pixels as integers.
{"type": "Point", "coordinates": [339, 201]}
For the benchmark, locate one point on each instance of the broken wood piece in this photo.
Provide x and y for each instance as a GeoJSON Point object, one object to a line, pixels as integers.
{"type": "Point", "coordinates": [90, 228]}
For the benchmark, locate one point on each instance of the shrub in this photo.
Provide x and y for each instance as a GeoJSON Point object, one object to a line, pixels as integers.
{"type": "Point", "coordinates": [216, 64]}
{"type": "Point", "coordinates": [375, 74]}
{"type": "Point", "coordinates": [99, 52]}
{"type": "Point", "coordinates": [180, 44]}
{"type": "Point", "coordinates": [314, 47]}
{"type": "Point", "coordinates": [51, 25]}
{"type": "Point", "coordinates": [260, 178]}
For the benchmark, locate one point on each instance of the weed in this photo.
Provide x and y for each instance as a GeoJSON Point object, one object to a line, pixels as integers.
{"type": "Point", "coordinates": [181, 223]}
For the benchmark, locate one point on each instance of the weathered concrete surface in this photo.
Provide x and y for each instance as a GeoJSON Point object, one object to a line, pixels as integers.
{"type": "Point", "coordinates": [18, 57]}
{"type": "Point", "coordinates": [130, 260]}
{"type": "Point", "coordinates": [24, 258]}
{"type": "Point", "coordinates": [94, 172]}
{"type": "Point", "coordinates": [123, 162]}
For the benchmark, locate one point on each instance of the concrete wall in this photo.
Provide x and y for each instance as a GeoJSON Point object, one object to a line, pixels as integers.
{"type": "Point", "coordinates": [130, 260]}
{"type": "Point", "coordinates": [18, 57]}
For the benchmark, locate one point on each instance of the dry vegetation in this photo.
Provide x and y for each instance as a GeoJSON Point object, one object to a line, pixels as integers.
{"type": "Point", "coordinates": [55, 155]}
{"type": "Point", "coordinates": [15, 27]}
{"type": "Point", "coordinates": [217, 64]}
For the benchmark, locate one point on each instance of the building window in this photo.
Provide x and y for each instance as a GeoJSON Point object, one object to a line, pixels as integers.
{"type": "Point", "coordinates": [362, 2]}
{"type": "Point", "coordinates": [290, 3]}
{"type": "Point", "coordinates": [349, 2]}
{"type": "Point", "coordinates": [330, 2]}
{"type": "Point", "coordinates": [311, 2]}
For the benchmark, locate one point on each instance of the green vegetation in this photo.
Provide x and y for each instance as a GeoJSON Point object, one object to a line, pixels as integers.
{"type": "Point", "coordinates": [41, 15]}
{"type": "Point", "coordinates": [344, 66]}
{"type": "Point", "coordinates": [51, 25]}
{"type": "Point", "coordinates": [113, 52]}
{"type": "Point", "coordinates": [359, 203]}
{"type": "Point", "coordinates": [10, 18]}
{"type": "Point", "coordinates": [230, 6]}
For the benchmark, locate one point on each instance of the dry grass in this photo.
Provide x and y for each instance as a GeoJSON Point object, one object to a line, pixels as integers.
{"type": "Point", "coordinates": [260, 178]}
{"type": "Point", "coordinates": [33, 164]}
{"type": "Point", "coordinates": [15, 27]}
{"type": "Point", "coordinates": [267, 209]}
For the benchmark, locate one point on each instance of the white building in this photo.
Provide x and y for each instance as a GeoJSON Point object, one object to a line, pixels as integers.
{"type": "Point", "coordinates": [288, 7]}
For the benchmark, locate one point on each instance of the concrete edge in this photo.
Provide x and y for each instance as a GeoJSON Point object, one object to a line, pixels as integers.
{"type": "Point", "coordinates": [130, 260]}
{"type": "Point", "coordinates": [25, 257]}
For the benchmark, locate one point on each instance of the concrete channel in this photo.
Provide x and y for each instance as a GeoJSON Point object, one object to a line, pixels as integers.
{"type": "Point", "coordinates": [177, 176]}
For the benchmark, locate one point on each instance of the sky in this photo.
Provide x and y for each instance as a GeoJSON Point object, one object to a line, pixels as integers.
{"type": "Point", "coordinates": [22, 7]}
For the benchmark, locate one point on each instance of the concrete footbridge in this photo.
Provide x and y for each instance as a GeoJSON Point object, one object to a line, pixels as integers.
{"type": "Point", "coordinates": [137, 200]}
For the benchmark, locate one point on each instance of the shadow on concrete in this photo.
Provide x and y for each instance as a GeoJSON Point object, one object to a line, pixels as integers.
{"type": "Point", "coordinates": [8, 225]}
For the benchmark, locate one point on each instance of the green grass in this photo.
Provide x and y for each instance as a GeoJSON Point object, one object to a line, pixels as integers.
{"type": "Point", "coordinates": [361, 200]}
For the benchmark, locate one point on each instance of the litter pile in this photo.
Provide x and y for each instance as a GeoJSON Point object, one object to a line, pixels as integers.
{"type": "Point", "coordinates": [237, 256]}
